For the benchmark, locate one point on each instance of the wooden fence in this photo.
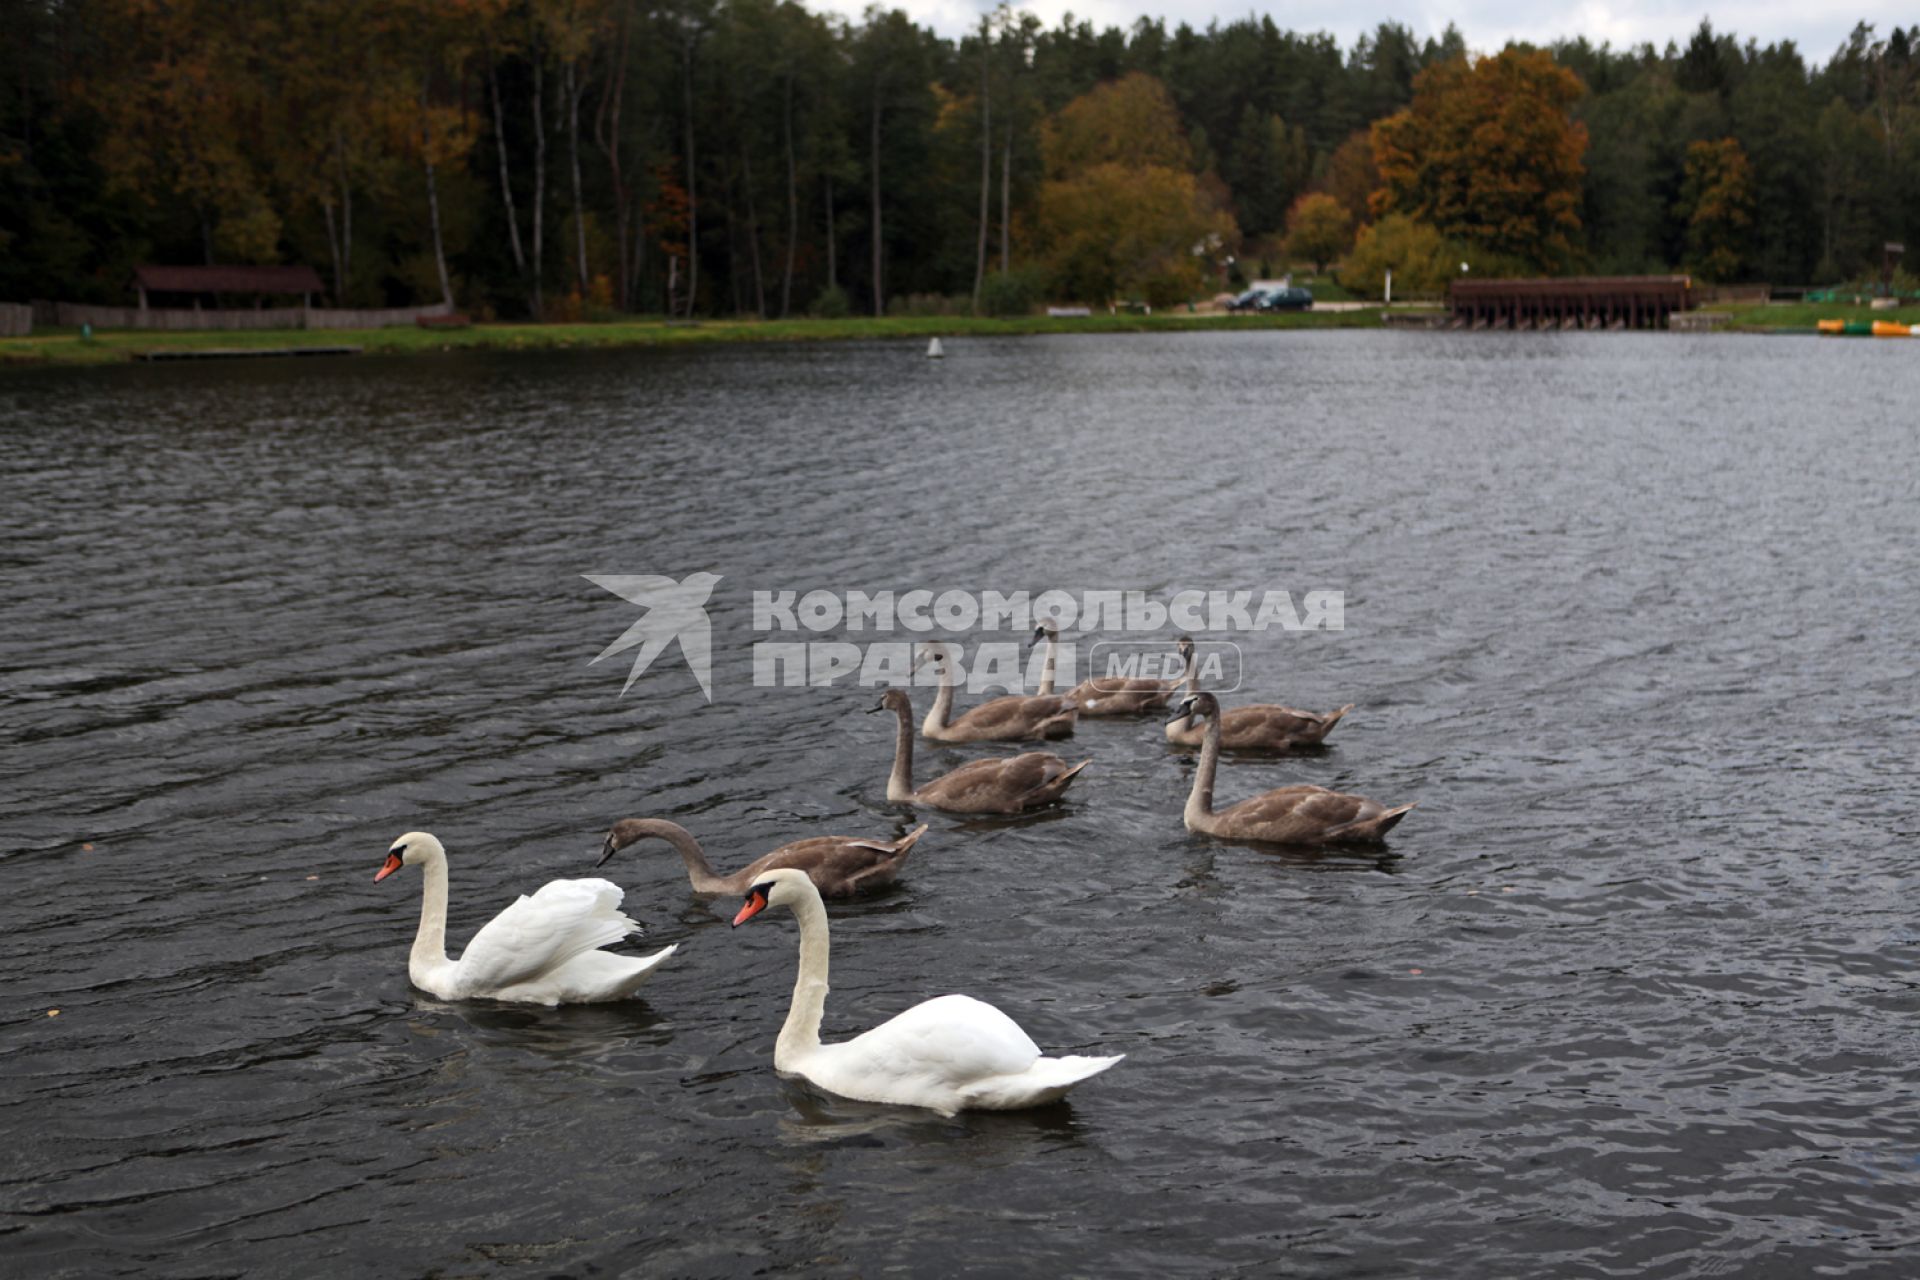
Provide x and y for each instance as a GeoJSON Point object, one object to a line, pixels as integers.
{"type": "Point", "coordinates": [16, 321]}
{"type": "Point", "coordinates": [72, 315]}
{"type": "Point", "coordinates": [335, 318]}
{"type": "Point", "coordinates": [1743, 294]}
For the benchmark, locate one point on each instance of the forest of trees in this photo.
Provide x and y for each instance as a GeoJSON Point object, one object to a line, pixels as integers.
{"type": "Point", "coordinates": [573, 158]}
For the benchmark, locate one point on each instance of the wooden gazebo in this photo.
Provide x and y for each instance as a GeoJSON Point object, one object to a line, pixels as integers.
{"type": "Point", "coordinates": [191, 284]}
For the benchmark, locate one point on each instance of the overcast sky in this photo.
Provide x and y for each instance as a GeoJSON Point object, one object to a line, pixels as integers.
{"type": "Point", "coordinates": [1817, 27]}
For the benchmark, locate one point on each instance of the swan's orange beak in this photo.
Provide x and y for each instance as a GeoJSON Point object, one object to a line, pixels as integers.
{"type": "Point", "coordinates": [756, 903]}
{"type": "Point", "coordinates": [391, 865]}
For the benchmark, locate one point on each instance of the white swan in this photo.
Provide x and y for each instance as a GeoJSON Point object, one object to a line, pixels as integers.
{"type": "Point", "coordinates": [949, 1054]}
{"type": "Point", "coordinates": [541, 950]}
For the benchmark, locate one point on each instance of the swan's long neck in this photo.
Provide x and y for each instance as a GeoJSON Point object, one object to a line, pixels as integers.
{"type": "Point", "coordinates": [1180, 724]}
{"type": "Point", "coordinates": [705, 879]}
{"type": "Point", "coordinates": [430, 944]}
{"type": "Point", "coordinates": [942, 709]}
{"type": "Point", "coordinates": [801, 1034]}
{"type": "Point", "coordinates": [900, 781]}
{"type": "Point", "coordinates": [1200, 799]}
{"type": "Point", "coordinates": [1047, 668]}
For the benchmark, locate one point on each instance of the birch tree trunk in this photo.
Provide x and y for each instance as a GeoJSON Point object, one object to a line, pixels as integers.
{"type": "Point", "coordinates": [833, 270]}
{"type": "Point", "coordinates": [1006, 204]}
{"type": "Point", "coordinates": [333, 247]}
{"type": "Point", "coordinates": [879, 292]}
{"type": "Point", "coordinates": [539, 187]}
{"type": "Point", "coordinates": [340, 233]}
{"type": "Point", "coordinates": [346, 234]}
{"type": "Point", "coordinates": [753, 234]}
{"type": "Point", "coordinates": [433, 201]}
{"type": "Point", "coordinates": [506, 174]}
{"type": "Point", "coordinates": [432, 213]}
{"type": "Point", "coordinates": [986, 162]}
{"type": "Point", "coordinates": [575, 89]}
{"type": "Point", "coordinates": [439, 250]}
{"type": "Point", "coordinates": [733, 238]}
{"type": "Point", "coordinates": [606, 132]}
{"type": "Point", "coordinates": [793, 203]}
{"type": "Point", "coordinates": [693, 199]}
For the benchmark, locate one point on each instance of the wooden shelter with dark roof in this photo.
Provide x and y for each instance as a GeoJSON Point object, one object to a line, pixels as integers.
{"type": "Point", "coordinates": [196, 283]}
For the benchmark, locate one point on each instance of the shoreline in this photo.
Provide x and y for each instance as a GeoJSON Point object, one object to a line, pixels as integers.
{"type": "Point", "coordinates": [120, 346]}
{"type": "Point", "coordinates": [64, 346]}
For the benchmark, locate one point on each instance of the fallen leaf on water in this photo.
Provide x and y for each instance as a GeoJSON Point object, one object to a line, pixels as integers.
{"type": "Point", "coordinates": [53, 1013]}
{"type": "Point", "coordinates": [1416, 971]}
{"type": "Point", "coordinates": [313, 877]}
{"type": "Point", "coordinates": [86, 848]}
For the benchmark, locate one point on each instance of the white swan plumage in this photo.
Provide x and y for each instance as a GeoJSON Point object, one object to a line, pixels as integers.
{"type": "Point", "coordinates": [544, 949]}
{"type": "Point", "coordinates": [949, 1054]}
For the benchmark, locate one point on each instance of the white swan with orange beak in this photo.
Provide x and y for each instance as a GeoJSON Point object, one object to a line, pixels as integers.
{"type": "Point", "coordinates": [948, 1054]}
{"type": "Point", "coordinates": [544, 949]}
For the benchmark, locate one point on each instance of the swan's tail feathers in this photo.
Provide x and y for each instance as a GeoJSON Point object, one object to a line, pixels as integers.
{"type": "Point", "coordinates": [902, 846]}
{"type": "Point", "coordinates": [658, 958]}
{"type": "Point", "coordinates": [1067, 777]}
{"type": "Point", "coordinates": [1374, 828]}
{"type": "Point", "coordinates": [1047, 1080]}
{"type": "Point", "coordinates": [1329, 720]}
{"type": "Point", "coordinates": [1052, 788]}
{"type": "Point", "coordinates": [642, 969]}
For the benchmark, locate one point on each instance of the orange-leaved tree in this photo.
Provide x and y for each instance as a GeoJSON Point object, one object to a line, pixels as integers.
{"type": "Point", "coordinates": [1716, 198]}
{"type": "Point", "coordinates": [1487, 154]}
{"type": "Point", "coordinates": [1121, 211]}
{"type": "Point", "coordinates": [1351, 176]}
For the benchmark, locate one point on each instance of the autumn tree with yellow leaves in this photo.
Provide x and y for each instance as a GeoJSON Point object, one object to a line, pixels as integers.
{"type": "Point", "coordinates": [1488, 155]}
{"type": "Point", "coordinates": [1319, 229]}
{"type": "Point", "coordinates": [1121, 212]}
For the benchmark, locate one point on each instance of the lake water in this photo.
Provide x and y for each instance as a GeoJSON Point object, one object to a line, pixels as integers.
{"type": "Point", "coordinates": [1631, 617]}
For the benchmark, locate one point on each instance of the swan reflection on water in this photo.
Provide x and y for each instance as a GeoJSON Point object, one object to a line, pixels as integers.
{"type": "Point", "coordinates": [820, 1118]}
{"type": "Point", "coordinates": [566, 1032]}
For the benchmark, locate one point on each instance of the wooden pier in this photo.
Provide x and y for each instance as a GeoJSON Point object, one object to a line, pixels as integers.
{"type": "Point", "coordinates": [1577, 302]}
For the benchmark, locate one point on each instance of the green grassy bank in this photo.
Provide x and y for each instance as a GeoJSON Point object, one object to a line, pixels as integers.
{"type": "Point", "coordinates": [1806, 315]}
{"type": "Point", "coordinates": [65, 346]}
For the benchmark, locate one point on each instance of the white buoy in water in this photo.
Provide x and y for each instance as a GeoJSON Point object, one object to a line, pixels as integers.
{"type": "Point", "coordinates": [933, 350]}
